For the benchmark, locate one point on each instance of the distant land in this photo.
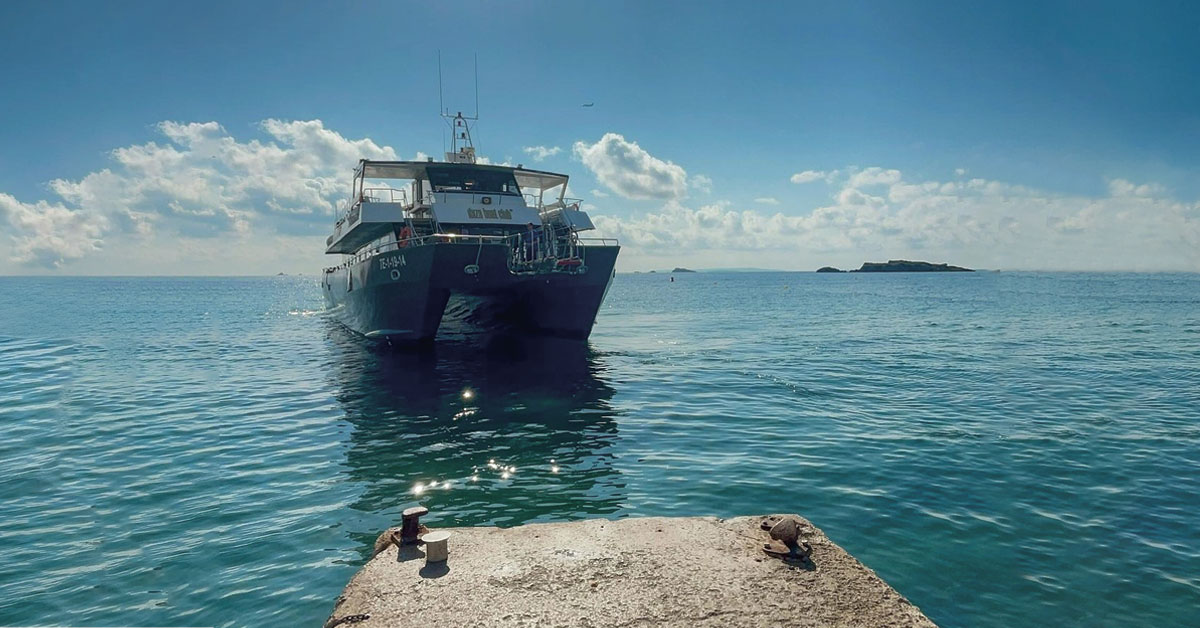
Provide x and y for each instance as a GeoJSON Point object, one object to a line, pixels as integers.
{"type": "Point", "coordinates": [900, 266]}
{"type": "Point", "coordinates": [890, 266]}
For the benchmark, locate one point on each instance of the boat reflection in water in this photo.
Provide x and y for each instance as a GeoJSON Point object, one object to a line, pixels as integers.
{"type": "Point", "coordinates": [499, 431]}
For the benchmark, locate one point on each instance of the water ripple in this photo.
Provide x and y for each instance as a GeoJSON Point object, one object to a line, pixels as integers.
{"type": "Point", "coordinates": [1004, 449]}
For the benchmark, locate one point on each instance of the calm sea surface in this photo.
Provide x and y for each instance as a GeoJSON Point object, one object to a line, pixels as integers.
{"type": "Point", "coordinates": [1003, 448]}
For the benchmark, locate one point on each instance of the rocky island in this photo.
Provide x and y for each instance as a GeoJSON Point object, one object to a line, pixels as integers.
{"type": "Point", "coordinates": [900, 266]}
{"type": "Point", "coordinates": [682, 270]}
{"type": "Point", "coordinates": [906, 266]}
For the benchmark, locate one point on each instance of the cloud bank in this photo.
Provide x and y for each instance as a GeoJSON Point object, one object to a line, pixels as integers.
{"type": "Point", "coordinates": [876, 214]}
{"type": "Point", "coordinates": [198, 200]}
{"type": "Point", "coordinates": [200, 182]}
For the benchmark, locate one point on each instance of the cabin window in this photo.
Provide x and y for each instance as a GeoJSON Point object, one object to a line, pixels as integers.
{"type": "Point", "coordinates": [452, 179]}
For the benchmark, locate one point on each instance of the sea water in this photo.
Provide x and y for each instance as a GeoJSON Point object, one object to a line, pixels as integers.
{"type": "Point", "coordinates": [1002, 448]}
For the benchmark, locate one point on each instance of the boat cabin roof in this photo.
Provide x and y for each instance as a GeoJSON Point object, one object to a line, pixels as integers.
{"type": "Point", "coordinates": [527, 179]}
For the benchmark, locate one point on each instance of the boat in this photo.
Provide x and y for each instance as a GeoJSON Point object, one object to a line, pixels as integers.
{"type": "Point", "coordinates": [462, 247]}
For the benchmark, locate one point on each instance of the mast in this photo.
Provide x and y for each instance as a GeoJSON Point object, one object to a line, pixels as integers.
{"type": "Point", "coordinates": [460, 127]}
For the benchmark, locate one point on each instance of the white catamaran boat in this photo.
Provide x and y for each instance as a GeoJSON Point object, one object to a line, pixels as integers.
{"type": "Point", "coordinates": [464, 246]}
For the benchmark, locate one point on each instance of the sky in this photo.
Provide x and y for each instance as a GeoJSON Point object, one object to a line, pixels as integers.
{"type": "Point", "coordinates": [217, 138]}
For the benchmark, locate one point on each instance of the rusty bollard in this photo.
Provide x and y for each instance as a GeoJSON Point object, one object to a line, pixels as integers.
{"type": "Point", "coordinates": [410, 526]}
{"type": "Point", "coordinates": [787, 531]}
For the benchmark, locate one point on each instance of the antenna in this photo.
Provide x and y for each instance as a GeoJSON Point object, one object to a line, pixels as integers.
{"type": "Point", "coordinates": [476, 95]}
{"type": "Point", "coordinates": [459, 125]}
{"type": "Point", "coordinates": [441, 106]}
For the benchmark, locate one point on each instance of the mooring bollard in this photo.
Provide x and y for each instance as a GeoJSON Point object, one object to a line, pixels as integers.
{"type": "Point", "coordinates": [787, 531]}
{"type": "Point", "coordinates": [410, 525]}
{"type": "Point", "coordinates": [436, 547]}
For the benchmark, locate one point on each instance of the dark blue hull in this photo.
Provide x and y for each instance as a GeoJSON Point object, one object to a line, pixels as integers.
{"type": "Point", "coordinates": [411, 294]}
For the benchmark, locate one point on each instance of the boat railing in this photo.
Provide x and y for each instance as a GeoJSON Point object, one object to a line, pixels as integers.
{"type": "Point", "coordinates": [385, 195]}
{"type": "Point", "coordinates": [599, 241]}
{"type": "Point", "coordinates": [527, 250]}
{"type": "Point", "coordinates": [372, 195]}
{"type": "Point", "coordinates": [552, 250]}
{"type": "Point", "coordinates": [534, 202]}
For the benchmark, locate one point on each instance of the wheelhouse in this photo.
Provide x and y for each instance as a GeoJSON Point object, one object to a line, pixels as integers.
{"type": "Point", "coordinates": [472, 178]}
{"type": "Point", "coordinates": [455, 197]}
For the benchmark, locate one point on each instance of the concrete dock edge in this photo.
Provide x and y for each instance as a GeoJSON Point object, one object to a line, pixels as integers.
{"type": "Point", "coordinates": [652, 571]}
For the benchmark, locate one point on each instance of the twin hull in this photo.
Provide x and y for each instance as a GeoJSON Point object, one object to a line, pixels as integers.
{"type": "Point", "coordinates": [406, 295]}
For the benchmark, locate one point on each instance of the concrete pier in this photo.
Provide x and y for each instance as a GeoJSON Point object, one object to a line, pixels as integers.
{"type": "Point", "coordinates": [653, 571]}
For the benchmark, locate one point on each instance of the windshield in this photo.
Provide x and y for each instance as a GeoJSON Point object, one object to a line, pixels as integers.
{"type": "Point", "coordinates": [450, 179]}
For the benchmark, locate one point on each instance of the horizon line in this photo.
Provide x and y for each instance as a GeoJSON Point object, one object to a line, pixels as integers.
{"type": "Point", "coordinates": [621, 272]}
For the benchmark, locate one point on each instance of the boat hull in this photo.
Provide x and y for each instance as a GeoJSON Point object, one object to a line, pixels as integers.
{"type": "Point", "coordinates": [412, 294]}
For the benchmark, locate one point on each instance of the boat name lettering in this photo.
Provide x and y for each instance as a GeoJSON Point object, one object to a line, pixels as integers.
{"type": "Point", "coordinates": [392, 262]}
{"type": "Point", "coordinates": [503, 214]}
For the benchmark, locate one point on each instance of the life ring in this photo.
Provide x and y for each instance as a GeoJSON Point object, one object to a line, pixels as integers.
{"type": "Point", "coordinates": [405, 234]}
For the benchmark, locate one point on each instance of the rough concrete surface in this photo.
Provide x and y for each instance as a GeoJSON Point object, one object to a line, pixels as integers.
{"type": "Point", "coordinates": [653, 571]}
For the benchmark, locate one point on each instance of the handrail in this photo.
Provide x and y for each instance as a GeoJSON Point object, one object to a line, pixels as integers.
{"type": "Point", "coordinates": [374, 195]}
{"type": "Point", "coordinates": [546, 246]}
{"type": "Point", "coordinates": [390, 195]}
{"type": "Point", "coordinates": [377, 195]}
{"type": "Point", "coordinates": [573, 204]}
{"type": "Point", "coordinates": [566, 203]}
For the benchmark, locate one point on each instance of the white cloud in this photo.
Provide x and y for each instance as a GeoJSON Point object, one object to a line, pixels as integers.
{"type": "Point", "coordinates": [808, 176]}
{"type": "Point", "coordinates": [202, 182]}
{"type": "Point", "coordinates": [46, 234]}
{"type": "Point", "coordinates": [599, 193]}
{"type": "Point", "coordinates": [487, 161]}
{"type": "Point", "coordinates": [767, 200]}
{"type": "Point", "coordinates": [981, 223]}
{"type": "Point", "coordinates": [701, 183]}
{"type": "Point", "coordinates": [540, 153]}
{"type": "Point", "coordinates": [874, 176]}
{"type": "Point", "coordinates": [1123, 188]}
{"type": "Point", "coordinates": [960, 171]}
{"type": "Point", "coordinates": [627, 169]}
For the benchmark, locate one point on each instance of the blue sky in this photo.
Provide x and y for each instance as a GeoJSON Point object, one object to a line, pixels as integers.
{"type": "Point", "coordinates": [1086, 117]}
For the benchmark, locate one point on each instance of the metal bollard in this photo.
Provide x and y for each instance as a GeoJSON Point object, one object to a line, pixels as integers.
{"type": "Point", "coordinates": [436, 547]}
{"type": "Point", "coordinates": [410, 525]}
